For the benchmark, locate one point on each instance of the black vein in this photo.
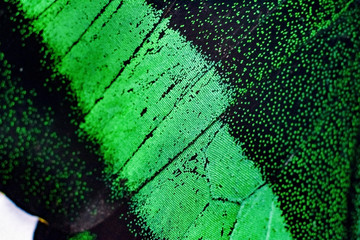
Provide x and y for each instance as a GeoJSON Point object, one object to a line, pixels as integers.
{"type": "Point", "coordinates": [197, 217]}
{"type": "Point", "coordinates": [177, 155]}
{"type": "Point", "coordinates": [149, 135]}
{"type": "Point", "coordinates": [43, 11]}
{"type": "Point", "coordinates": [257, 189]}
{"type": "Point", "coordinates": [134, 54]}
{"type": "Point", "coordinates": [103, 9]}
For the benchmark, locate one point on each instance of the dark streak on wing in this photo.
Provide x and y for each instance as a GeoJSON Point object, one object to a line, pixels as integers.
{"type": "Point", "coordinates": [175, 157]}
{"type": "Point", "coordinates": [91, 23]}
{"type": "Point", "coordinates": [47, 8]}
{"type": "Point", "coordinates": [136, 51]}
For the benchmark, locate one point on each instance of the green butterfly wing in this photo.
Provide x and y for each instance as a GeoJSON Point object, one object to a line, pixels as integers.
{"type": "Point", "coordinates": [219, 120]}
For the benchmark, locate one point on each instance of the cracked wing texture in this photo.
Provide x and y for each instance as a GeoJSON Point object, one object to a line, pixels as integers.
{"type": "Point", "coordinates": [220, 119]}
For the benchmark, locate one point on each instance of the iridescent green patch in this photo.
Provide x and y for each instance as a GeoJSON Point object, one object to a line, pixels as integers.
{"type": "Point", "coordinates": [219, 120]}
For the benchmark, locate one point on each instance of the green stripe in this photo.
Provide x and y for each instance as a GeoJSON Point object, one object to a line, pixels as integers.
{"type": "Point", "coordinates": [152, 109]}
